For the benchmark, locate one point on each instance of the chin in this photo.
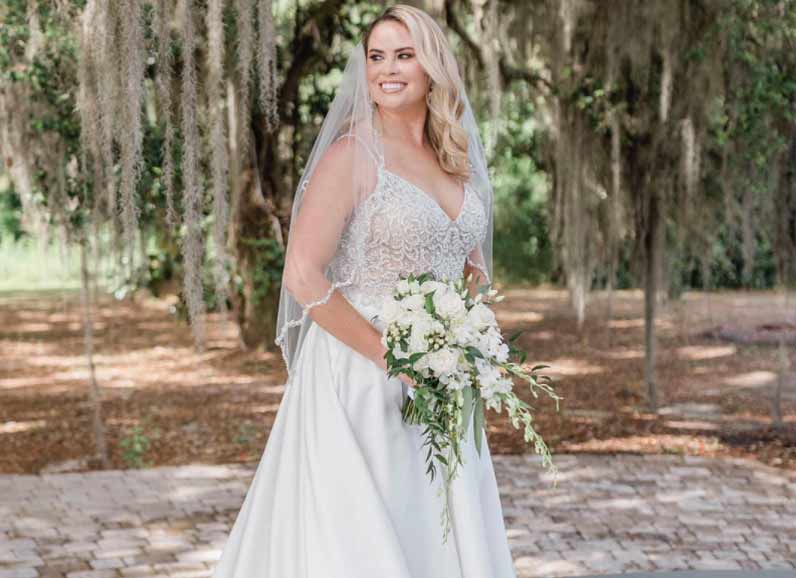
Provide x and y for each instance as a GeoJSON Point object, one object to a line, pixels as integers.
{"type": "Point", "coordinates": [399, 101]}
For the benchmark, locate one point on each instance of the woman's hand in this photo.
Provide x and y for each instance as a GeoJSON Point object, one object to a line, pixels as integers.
{"type": "Point", "coordinates": [382, 362]}
{"type": "Point", "coordinates": [407, 380]}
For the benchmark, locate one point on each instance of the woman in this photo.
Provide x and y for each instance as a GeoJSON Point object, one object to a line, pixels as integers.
{"type": "Point", "coordinates": [396, 183]}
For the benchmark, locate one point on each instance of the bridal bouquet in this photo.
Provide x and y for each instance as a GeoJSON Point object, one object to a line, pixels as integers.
{"type": "Point", "coordinates": [450, 344]}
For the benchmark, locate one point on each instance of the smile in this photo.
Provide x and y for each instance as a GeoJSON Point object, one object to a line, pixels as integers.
{"type": "Point", "coordinates": [392, 86]}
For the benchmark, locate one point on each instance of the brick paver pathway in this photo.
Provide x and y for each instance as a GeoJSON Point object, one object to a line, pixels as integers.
{"type": "Point", "coordinates": [609, 514]}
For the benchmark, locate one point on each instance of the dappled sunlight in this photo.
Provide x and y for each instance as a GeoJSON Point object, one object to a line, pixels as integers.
{"type": "Point", "coordinates": [148, 369]}
{"type": "Point", "coordinates": [619, 503]}
{"type": "Point", "coordinates": [695, 352]}
{"type": "Point", "coordinates": [32, 327]}
{"type": "Point", "coordinates": [265, 408]}
{"type": "Point", "coordinates": [678, 496]}
{"type": "Point", "coordinates": [638, 323]}
{"type": "Point", "coordinates": [77, 326]}
{"type": "Point", "coordinates": [752, 379]}
{"type": "Point", "coordinates": [23, 381]}
{"type": "Point", "coordinates": [519, 316]}
{"type": "Point", "coordinates": [572, 366]}
{"type": "Point", "coordinates": [692, 425]}
{"type": "Point", "coordinates": [627, 353]}
{"type": "Point", "coordinates": [649, 444]}
{"type": "Point", "coordinates": [12, 427]}
{"type": "Point", "coordinates": [540, 335]}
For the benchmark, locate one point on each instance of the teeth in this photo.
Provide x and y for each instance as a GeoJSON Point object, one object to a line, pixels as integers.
{"type": "Point", "coordinates": [392, 86]}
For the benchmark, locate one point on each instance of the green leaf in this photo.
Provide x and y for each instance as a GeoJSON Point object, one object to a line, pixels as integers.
{"type": "Point", "coordinates": [478, 422]}
{"type": "Point", "coordinates": [429, 305]}
{"type": "Point", "coordinates": [474, 351]}
{"type": "Point", "coordinates": [467, 406]}
{"type": "Point", "coordinates": [414, 357]}
{"type": "Point", "coordinates": [515, 335]}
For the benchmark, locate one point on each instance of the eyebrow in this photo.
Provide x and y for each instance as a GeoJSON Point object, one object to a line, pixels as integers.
{"type": "Point", "coordinates": [396, 50]}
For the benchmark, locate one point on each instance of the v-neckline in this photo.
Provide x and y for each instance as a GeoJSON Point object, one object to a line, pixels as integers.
{"type": "Point", "coordinates": [431, 198]}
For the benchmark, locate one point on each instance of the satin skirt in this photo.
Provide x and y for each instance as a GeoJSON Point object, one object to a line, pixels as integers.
{"type": "Point", "coordinates": [341, 489]}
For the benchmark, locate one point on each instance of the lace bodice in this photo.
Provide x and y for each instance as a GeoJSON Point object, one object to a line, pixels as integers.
{"type": "Point", "coordinates": [399, 229]}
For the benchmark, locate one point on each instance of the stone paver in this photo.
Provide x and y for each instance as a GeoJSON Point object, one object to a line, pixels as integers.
{"type": "Point", "coordinates": [609, 514]}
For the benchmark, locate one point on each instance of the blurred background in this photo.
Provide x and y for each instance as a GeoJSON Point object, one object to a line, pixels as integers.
{"type": "Point", "coordinates": [643, 155]}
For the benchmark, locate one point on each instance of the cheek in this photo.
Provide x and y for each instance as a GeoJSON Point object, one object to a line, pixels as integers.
{"type": "Point", "coordinates": [415, 71]}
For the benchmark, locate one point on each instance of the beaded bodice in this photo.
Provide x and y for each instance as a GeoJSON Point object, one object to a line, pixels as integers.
{"type": "Point", "coordinates": [400, 229]}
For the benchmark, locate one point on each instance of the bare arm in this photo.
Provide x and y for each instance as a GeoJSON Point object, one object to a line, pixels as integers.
{"type": "Point", "coordinates": [328, 201]}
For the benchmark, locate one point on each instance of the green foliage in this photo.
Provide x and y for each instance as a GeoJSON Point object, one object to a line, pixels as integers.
{"type": "Point", "coordinates": [136, 444]}
{"type": "Point", "coordinates": [10, 212]}
{"type": "Point", "coordinates": [522, 249]}
{"type": "Point", "coordinates": [270, 260]}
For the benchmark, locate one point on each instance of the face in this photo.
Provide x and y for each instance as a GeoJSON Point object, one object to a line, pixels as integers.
{"type": "Point", "coordinates": [395, 77]}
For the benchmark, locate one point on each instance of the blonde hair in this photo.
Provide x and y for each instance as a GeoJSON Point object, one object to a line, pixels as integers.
{"type": "Point", "coordinates": [443, 126]}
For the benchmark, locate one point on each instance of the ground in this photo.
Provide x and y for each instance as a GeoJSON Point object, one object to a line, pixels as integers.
{"type": "Point", "coordinates": [611, 515]}
{"type": "Point", "coordinates": [717, 361]}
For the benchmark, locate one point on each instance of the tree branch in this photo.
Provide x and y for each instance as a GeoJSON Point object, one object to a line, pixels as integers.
{"type": "Point", "coordinates": [508, 72]}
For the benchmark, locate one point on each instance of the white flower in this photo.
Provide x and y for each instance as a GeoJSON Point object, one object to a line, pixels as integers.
{"type": "Point", "coordinates": [449, 305]}
{"type": "Point", "coordinates": [417, 340]}
{"type": "Point", "coordinates": [458, 379]}
{"type": "Point", "coordinates": [432, 285]}
{"type": "Point", "coordinates": [464, 334]}
{"type": "Point", "coordinates": [403, 287]}
{"type": "Point", "coordinates": [488, 374]}
{"type": "Point", "coordinates": [414, 302]}
{"type": "Point", "coordinates": [443, 361]}
{"type": "Point", "coordinates": [421, 366]}
{"type": "Point", "coordinates": [414, 287]}
{"type": "Point", "coordinates": [501, 385]}
{"type": "Point", "coordinates": [390, 310]}
{"type": "Point", "coordinates": [481, 316]}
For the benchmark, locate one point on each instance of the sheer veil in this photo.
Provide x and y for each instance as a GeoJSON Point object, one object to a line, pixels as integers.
{"type": "Point", "coordinates": [352, 117]}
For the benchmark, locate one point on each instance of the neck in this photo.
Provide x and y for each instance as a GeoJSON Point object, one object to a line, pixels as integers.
{"type": "Point", "coordinates": [405, 125]}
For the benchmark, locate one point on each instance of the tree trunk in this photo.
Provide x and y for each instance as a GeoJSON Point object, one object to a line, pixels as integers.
{"type": "Point", "coordinates": [259, 258]}
{"type": "Point", "coordinates": [652, 257]}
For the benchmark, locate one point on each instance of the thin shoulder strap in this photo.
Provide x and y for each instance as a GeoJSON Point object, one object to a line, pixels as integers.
{"type": "Point", "coordinates": [377, 158]}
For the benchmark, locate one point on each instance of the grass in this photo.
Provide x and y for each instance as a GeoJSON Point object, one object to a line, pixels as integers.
{"type": "Point", "coordinates": [26, 265]}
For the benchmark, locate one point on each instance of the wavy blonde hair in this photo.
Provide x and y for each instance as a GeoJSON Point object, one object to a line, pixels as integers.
{"type": "Point", "coordinates": [443, 126]}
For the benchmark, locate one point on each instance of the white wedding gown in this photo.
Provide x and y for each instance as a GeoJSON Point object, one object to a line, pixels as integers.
{"type": "Point", "coordinates": [341, 490]}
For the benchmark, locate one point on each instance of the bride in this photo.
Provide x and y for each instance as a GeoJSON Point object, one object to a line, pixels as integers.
{"type": "Point", "coordinates": [396, 183]}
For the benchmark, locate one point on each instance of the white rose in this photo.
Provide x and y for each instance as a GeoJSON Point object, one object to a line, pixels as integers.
{"type": "Point", "coordinates": [431, 285]}
{"type": "Point", "coordinates": [417, 340]}
{"type": "Point", "coordinates": [390, 310]}
{"type": "Point", "coordinates": [414, 287]}
{"type": "Point", "coordinates": [420, 320]}
{"type": "Point", "coordinates": [463, 334]}
{"type": "Point", "coordinates": [414, 302]}
{"type": "Point", "coordinates": [402, 287]}
{"type": "Point", "coordinates": [481, 316]}
{"type": "Point", "coordinates": [443, 361]}
{"type": "Point", "coordinates": [449, 305]}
